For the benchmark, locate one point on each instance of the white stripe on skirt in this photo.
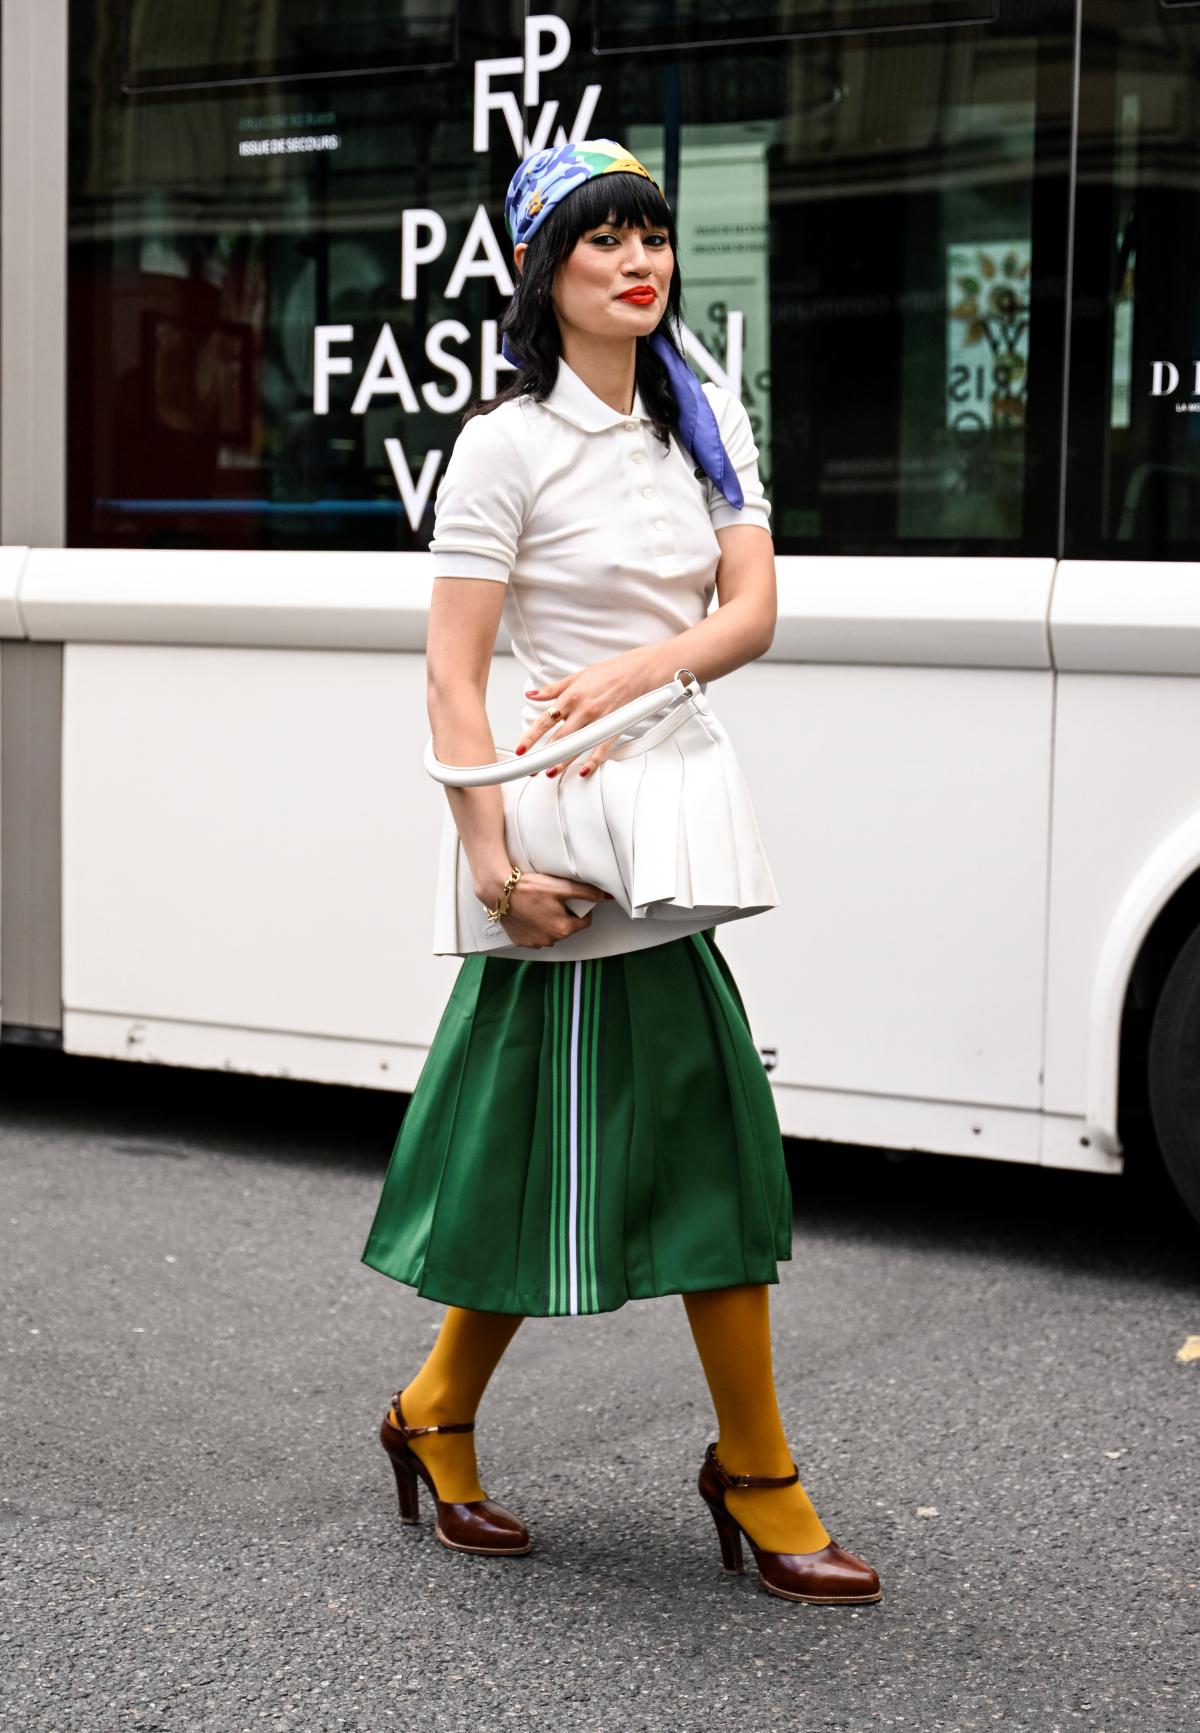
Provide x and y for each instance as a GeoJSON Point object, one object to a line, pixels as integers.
{"type": "Point", "coordinates": [574, 1145]}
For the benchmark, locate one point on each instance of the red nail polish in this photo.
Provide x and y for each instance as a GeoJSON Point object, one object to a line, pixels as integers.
{"type": "Point", "coordinates": [553, 772]}
{"type": "Point", "coordinates": [520, 750]}
{"type": "Point", "coordinates": [585, 771]}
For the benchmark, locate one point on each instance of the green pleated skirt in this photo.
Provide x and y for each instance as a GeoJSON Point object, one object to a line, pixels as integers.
{"type": "Point", "coordinates": [584, 1133]}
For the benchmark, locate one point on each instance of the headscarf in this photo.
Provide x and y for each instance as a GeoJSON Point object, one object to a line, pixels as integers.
{"type": "Point", "coordinates": [541, 182]}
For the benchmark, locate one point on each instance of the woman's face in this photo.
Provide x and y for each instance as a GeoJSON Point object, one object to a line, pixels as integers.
{"type": "Point", "coordinates": [591, 282]}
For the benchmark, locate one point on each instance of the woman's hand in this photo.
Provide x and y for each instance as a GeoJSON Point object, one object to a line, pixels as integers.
{"type": "Point", "coordinates": [537, 912]}
{"type": "Point", "coordinates": [585, 696]}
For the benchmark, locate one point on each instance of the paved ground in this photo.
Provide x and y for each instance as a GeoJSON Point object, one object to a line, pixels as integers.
{"type": "Point", "coordinates": [199, 1526]}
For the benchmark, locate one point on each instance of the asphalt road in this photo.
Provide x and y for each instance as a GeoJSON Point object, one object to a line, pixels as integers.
{"type": "Point", "coordinates": [977, 1366]}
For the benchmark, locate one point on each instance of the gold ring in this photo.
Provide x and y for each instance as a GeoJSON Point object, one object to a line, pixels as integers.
{"type": "Point", "coordinates": [556, 715]}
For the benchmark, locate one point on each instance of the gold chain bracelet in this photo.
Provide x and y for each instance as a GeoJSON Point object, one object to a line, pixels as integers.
{"type": "Point", "coordinates": [501, 907]}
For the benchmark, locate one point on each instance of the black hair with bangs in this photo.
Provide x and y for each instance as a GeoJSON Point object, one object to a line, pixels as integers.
{"type": "Point", "coordinates": [529, 323]}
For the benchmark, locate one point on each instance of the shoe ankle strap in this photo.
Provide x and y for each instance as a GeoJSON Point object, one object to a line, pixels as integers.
{"type": "Point", "coordinates": [449, 1426]}
{"type": "Point", "coordinates": [727, 1479]}
{"type": "Point", "coordinates": [401, 1424]}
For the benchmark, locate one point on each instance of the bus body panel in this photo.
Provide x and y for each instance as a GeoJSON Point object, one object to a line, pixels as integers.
{"type": "Point", "coordinates": [1126, 795]}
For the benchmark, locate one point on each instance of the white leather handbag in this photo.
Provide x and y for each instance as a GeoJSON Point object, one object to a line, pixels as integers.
{"type": "Point", "coordinates": [664, 823]}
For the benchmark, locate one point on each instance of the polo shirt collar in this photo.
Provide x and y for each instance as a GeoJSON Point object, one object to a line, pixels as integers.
{"type": "Point", "coordinates": [578, 403]}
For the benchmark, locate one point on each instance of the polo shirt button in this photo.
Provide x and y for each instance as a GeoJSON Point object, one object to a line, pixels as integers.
{"type": "Point", "coordinates": [639, 457]}
{"type": "Point", "coordinates": [661, 524]}
{"type": "Point", "coordinates": [647, 493]}
{"type": "Point", "coordinates": [631, 427]}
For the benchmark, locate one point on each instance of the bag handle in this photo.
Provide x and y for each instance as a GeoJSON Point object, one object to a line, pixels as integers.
{"type": "Point", "coordinates": [681, 687]}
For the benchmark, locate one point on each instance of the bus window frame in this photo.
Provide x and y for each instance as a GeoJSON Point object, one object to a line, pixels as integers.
{"type": "Point", "coordinates": [322, 74]}
{"type": "Point", "coordinates": [794, 34]}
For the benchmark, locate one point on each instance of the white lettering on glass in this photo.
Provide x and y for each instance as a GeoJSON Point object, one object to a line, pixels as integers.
{"type": "Point", "coordinates": [414, 494]}
{"type": "Point", "coordinates": [413, 251]}
{"type": "Point", "coordinates": [386, 376]}
{"type": "Point", "coordinates": [325, 364]}
{"type": "Point", "coordinates": [481, 237]}
{"type": "Point", "coordinates": [423, 239]}
{"type": "Point", "coordinates": [531, 64]}
{"type": "Point", "coordinates": [445, 331]}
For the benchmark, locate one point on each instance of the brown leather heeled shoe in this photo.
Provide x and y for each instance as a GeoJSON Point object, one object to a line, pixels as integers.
{"type": "Point", "coordinates": [477, 1526]}
{"type": "Point", "coordinates": [830, 1577]}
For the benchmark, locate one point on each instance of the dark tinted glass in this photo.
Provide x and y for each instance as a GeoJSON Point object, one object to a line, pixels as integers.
{"type": "Point", "coordinates": [1134, 448]}
{"type": "Point", "coordinates": [881, 219]}
{"type": "Point", "coordinates": [644, 24]}
{"type": "Point", "coordinates": [194, 44]}
{"type": "Point", "coordinates": [283, 294]}
{"type": "Point", "coordinates": [250, 364]}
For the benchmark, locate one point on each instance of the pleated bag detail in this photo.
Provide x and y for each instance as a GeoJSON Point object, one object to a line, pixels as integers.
{"type": "Point", "coordinates": [664, 823]}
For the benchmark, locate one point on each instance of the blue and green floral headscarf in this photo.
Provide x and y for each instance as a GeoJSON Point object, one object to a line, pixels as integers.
{"type": "Point", "coordinates": [549, 175]}
{"type": "Point", "coordinates": [542, 181]}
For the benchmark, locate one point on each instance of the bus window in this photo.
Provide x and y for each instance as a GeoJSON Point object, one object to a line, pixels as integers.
{"type": "Point", "coordinates": [642, 24]}
{"type": "Point", "coordinates": [198, 46]}
{"type": "Point", "coordinates": [874, 228]}
{"type": "Point", "coordinates": [236, 267]}
{"type": "Point", "coordinates": [1134, 449]}
{"type": "Point", "coordinates": [282, 295]}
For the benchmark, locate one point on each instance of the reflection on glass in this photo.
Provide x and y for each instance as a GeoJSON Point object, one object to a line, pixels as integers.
{"type": "Point", "coordinates": [641, 24]}
{"type": "Point", "coordinates": [280, 301]}
{"type": "Point", "coordinates": [903, 294]}
{"type": "Point", "coordinates": [873, 244]}
{"type": "Point", "coordinates": [273, 39]}
{"type": "Point", "coordinates": [987, 348]}
{"type": "Point", "coordinates": [278, 298]}
{"type": "Point", "coordinates": [1134, 449]}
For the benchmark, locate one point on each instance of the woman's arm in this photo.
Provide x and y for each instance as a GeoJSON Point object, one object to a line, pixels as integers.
{"type": "Point", "coordinates": [742, 626]}
{"type": "Point", "coordinates": [464, 615]}
{"type": "Point", "coordinates": [464, 618]}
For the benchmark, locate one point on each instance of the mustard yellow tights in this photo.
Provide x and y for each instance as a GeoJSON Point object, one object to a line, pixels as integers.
{"type": "Point", "coordinates": [732, 1331]}
{"type": "Point", "coordinates": [448, 1387]}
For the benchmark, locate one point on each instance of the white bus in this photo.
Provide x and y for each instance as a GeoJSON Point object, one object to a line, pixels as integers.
{"type": "Point", "coordinates": [946, 251]}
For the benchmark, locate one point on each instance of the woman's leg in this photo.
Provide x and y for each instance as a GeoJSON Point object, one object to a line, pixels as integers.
{"type": "Point", "coordinates": [448, 1387]}
{"type": "Point", "coordinates": [732, 1331]}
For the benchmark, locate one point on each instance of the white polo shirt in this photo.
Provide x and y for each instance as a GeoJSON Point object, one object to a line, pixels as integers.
{"type": "Point", "coordinates": [605, 540]}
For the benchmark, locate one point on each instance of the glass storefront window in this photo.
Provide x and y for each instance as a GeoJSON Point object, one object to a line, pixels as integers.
{"type": "Point", "coordinates": [277, 300]}
{"type": "Point", "coordinates": [168, 47]}
{"type": "Point", "coordinates": [287, 257]}
{"type": "Point", "coordinates": [641, 24]}
{"type": "Point", "coordinates": [1133, 469]}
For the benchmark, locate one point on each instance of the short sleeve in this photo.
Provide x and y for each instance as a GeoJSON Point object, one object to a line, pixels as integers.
{"type": "Point", "coordinates": [482, 500]}
{"type": "Point", "coordinates": [737, 436]}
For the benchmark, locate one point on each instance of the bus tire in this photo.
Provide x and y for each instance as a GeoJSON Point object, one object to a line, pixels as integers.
{"type": "Point", "coordinates": [1173, 1073]}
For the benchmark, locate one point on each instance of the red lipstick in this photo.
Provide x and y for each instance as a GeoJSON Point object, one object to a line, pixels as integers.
{"type": "Point", "coordinates": [643, 295]}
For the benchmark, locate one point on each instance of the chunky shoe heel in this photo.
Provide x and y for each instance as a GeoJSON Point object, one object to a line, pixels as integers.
{"type": "Point", "coordinates": [730, 1536]}
{"type": "Point", "coordinates": [830, 1577]}
{"type": "Point", "coordinates": [406, 1489]}
{"type": "Point", "coordinates": [479, 1525]}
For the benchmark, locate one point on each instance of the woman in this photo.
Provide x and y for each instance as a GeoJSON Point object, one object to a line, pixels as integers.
{"type": "Point", "coordinates": [590, 1131]}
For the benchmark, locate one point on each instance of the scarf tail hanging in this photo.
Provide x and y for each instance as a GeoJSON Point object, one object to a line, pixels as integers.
{"type": "Point", "coordinates": [698, 428]}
